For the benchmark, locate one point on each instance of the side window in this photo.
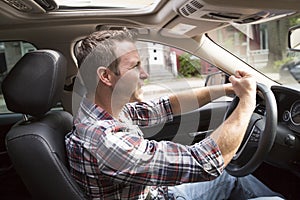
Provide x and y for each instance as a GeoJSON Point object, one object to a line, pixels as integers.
{"type": "Point", "coordinates": [10, 53]}
{"type": "Point", "coordinates": [171, 70]}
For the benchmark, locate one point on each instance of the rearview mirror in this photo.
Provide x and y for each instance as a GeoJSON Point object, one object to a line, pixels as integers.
{"type": "Point", "coordinates": [294, 38]}
{"type": "Point", "coordinates": [217, 78]}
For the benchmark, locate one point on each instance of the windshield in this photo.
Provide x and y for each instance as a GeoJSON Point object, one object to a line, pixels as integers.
{"type": "Point", "coordinates": [264, 47]}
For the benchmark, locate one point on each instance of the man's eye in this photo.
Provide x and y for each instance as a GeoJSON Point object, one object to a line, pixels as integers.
{"type": "Point", "coordinates": [136, 66]}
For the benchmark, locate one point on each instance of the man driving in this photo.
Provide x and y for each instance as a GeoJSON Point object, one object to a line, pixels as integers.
{"type": "Point", "coordinates": [110, 158]}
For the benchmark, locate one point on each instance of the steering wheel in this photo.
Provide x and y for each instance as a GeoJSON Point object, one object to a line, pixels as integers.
{"type": "Point", "coordinates": [260, 134]}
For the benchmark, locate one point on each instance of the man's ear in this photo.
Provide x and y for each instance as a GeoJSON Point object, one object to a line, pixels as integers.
{"type": "Point", "coordinates": [104, 75]}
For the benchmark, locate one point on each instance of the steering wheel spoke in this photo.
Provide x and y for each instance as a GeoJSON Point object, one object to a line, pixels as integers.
{"type": "Point", "coordinates": [251, 138]}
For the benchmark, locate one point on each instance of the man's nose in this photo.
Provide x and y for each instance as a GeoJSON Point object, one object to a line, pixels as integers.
{"type": "Point", "coordinates": [143, 74]}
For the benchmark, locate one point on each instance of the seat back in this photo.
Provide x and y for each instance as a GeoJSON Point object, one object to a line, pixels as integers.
{"type": "Point", "coordinates": [36, 145]}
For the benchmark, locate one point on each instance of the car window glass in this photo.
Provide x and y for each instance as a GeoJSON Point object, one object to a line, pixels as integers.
{"type": "Point", "coordinates": [265, 51]}
{"type": "Point", "coordinates": [171, 70]}
{"type": "Point", "coordinates": [10, 53]}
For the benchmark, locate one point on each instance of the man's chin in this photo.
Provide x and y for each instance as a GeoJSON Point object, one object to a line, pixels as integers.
{"type": "Point", "coordinates": [137, 96]}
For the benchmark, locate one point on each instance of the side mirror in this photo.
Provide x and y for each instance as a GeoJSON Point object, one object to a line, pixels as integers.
{"type": "Point", "coordinates": [294, 38]}
{"type": "Point", "coordinates": [217, 78]}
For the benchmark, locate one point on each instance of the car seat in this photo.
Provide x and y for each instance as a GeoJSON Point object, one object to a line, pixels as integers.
{"type": "Point", "coordinates": [36, 144]}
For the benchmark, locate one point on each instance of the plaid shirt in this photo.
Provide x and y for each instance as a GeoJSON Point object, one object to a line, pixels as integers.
{"type": "Point", "coordinates": [110, 159]}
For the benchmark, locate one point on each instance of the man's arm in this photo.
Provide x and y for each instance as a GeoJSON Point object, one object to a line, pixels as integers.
{"type": "Point", "coordinates": [230, 134]}
{"type": "Point", "coordinates": [190, 100]}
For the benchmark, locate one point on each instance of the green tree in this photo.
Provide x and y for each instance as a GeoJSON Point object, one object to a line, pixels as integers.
{"type": "Point", "coordinates": [189, 67]}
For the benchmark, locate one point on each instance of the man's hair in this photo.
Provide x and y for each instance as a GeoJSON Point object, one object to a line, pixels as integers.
{"type": "Point", "coordinates": [98, 49]}
{"type": "Point", "coordinates": [104, 43]}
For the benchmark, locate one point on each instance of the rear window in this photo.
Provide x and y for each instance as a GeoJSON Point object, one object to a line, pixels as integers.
{"type": "Point", "coordinates": [10, 54]}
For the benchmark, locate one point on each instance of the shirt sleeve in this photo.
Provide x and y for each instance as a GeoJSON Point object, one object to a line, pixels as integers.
{"type": "Point", "coordinates": [149, 113]}
{"type": "Point", "coordinates": [131, 159]}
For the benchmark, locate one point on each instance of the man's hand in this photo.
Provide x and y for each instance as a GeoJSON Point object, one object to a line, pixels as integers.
{"type": "Point", "coordinates": [244, 86]}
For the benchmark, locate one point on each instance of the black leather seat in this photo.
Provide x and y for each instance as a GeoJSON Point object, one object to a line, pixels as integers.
{"type": "Point", "coordinates": [36, 144]}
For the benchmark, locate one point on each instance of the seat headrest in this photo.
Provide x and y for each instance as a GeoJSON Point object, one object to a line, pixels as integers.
{"type": "Point", "coordinates": [35, 83]}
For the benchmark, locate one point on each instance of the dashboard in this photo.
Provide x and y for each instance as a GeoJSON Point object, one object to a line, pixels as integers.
{"type": "Point", "coordinates": [288, 103]}
{"type": "Point", "coordinates": [285, 152]}
{"type": "Point", "coordinates": [292, 116]}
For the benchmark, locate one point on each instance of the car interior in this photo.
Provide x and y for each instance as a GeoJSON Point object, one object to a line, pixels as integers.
{"type": "Point", "coordinates": [41, 90]}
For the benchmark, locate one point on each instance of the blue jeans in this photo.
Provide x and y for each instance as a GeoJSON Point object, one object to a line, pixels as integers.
{"type": "Point", "coordinates": [224, 187]}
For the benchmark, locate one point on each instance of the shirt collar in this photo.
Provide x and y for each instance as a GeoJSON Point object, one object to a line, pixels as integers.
{"type": "Point", "coordinates": [88, 108]}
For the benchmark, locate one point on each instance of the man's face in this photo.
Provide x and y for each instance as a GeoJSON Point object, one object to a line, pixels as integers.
{"type": "Point", "coordinates": [132, 75]}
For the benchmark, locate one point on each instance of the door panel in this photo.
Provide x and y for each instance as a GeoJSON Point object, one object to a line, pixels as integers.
{"type": "Point", "coordinates": [190, 127]}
